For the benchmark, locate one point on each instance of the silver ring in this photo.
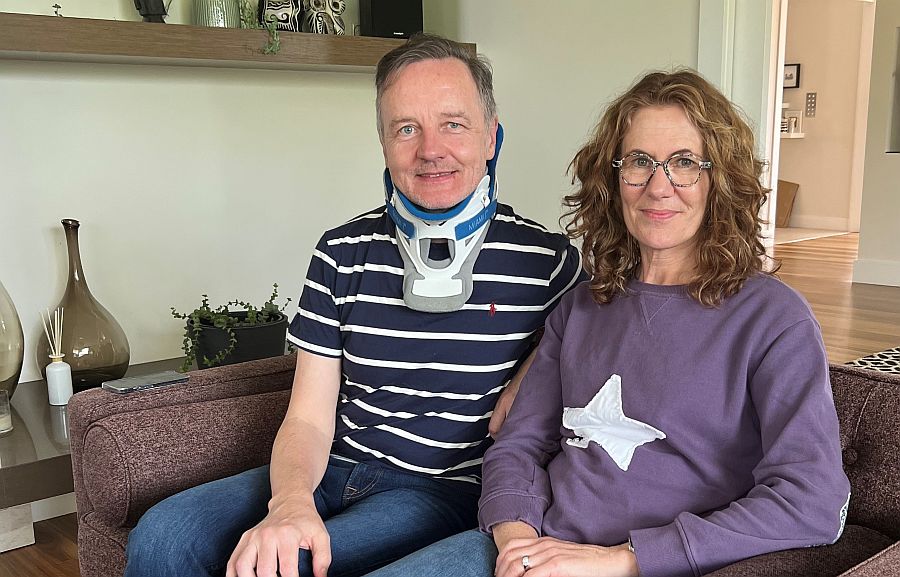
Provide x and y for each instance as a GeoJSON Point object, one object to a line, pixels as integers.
{"type": "Point", "coordinates": [526, 563]}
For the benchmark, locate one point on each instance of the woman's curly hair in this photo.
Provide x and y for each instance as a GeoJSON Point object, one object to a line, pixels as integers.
{"type": "Point", "coordinates": [729, 246]}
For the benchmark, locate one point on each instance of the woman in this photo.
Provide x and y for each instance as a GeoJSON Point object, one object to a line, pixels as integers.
{"type": "Point", "coordinates": [678, 415]}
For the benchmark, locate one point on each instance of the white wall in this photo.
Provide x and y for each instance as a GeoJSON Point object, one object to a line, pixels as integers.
{"type": "Point", "coordinates": [554, 68]}
{"type": "Point", "coordinates": [879, 240]}
{"type": "Point", "coordinates": [199, 180]}
{"type": "Point", "coordinates": [738, 48]}
{"type": "Point", "coordinates": [186, 181]}
{"type": "Point", "coordinates": [749, 91]}
{"type": "Point", "coordinates": [823, 36]}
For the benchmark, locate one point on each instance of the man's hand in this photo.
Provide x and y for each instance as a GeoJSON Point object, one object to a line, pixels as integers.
{"type": "Point", "coordinates": [549, 557]}
{"type": "Point", "coordinates": [271, 547]}
{"type": "Point", "coordinates": [505, 401]}
{"type": "Point", "coordinates": [299, 461]}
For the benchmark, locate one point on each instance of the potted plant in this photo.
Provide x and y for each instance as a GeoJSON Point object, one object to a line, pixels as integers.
{"type": "Point", "coordinates": [222, 336]}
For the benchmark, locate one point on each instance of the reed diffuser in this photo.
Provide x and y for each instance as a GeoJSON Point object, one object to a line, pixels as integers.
{"type": "Point", "coordinates": [59, 373]}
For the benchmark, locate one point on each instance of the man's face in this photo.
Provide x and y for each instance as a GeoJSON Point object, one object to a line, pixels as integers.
{"type": "Point", "coordinates": [436, 141]}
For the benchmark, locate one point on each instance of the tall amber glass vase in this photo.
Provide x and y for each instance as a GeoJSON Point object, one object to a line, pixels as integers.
{"type": "Point", "coordinates": [12, 344]}
{"type": "Point", "coordinates": [94, 344]}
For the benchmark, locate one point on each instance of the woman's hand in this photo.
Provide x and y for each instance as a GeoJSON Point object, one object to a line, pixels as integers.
{"type": "Point", "coordinates": [549, 557]}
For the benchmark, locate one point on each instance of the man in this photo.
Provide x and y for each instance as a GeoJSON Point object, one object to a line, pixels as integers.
{"type": "Point", "coordinates": [413, 318]}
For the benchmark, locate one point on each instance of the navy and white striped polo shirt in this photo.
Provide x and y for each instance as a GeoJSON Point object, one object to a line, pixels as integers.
{"type": "Point", "coordinates": [418, 389]}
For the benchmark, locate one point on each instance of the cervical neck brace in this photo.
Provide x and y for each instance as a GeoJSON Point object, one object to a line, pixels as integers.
{"type": "Point", "coordinates": [442, 285]}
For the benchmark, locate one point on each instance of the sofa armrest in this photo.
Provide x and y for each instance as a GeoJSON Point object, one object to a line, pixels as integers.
{"type": "Point", "coordinates": [130, 451]}
{"type": "Point", "coordinates": [883, 564]}
{"type": "Point", "coordinates": [134, 460]}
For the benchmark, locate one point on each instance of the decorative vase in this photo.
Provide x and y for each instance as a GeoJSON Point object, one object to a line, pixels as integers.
{"type": "Point", "coordinates": [323, 16]}
{"type": "Point", "coordinates": [94, 344]}
{"type": "Point", "coordinates": [12, 344]}
{"type": "Point", "coordinates": [216, 13]}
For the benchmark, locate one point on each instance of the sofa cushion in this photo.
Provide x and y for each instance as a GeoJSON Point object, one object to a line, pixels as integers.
{"type": "Point", "coordinates": [868, 406]}
{"type": "Point", "coordinates": [856, 545]}
{"type": "Point", "coordinates": [133, 460]}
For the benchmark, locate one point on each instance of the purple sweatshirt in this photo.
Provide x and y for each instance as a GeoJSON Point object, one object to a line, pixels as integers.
{"type": "Point", "coordinates": [728, 412]}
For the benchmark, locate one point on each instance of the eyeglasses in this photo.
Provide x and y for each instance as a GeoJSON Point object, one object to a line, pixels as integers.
{"type": "Point", "coordinates": [682, 169]}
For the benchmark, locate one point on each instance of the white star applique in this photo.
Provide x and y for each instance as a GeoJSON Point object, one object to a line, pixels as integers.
{"type": "Point", "coordinates": [603, 422]}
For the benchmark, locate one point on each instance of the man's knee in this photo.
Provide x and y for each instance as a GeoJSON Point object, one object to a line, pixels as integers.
{"type": "Point", "coordinates": [157, 537]}
{"type": "Point", "coordinates": [168, 538]}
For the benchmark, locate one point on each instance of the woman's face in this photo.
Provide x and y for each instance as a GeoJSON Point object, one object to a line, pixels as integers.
{"type": "Point", "coordinates": [663, 218]}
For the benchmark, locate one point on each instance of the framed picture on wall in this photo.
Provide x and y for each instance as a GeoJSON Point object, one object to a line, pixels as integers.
{"type": "Point", "coordinates": [792, 76]}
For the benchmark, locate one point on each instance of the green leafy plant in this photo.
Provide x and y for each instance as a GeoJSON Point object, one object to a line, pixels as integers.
{"type": "Point", "coordinates": [250, 20]}
{"type": "Point", "coordinates": [224, 318]}
{"type": "Point", "coordinates": [273, 45]}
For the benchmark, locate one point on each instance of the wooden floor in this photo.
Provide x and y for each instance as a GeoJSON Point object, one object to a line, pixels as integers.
{"type": "Point", "coordinates": [54, 553]}
{"type": "Point", "coordinates": [856, 320]}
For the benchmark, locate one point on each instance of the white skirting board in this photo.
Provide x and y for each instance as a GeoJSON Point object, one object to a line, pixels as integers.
{"type": "Point", "coordinates": [812, 221]}
{"type": "Point", "coordinates": [872, 271]}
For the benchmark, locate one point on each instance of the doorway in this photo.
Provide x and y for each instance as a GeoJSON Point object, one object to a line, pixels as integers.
{"type": "Point", "coordinates": [825, 56]}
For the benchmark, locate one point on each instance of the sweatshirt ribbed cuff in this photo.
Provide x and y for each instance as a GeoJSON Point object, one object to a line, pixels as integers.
{"type": "Point", "coordinates": [660, 552]}
{"type": "Point", "coordinates": [511, 507]}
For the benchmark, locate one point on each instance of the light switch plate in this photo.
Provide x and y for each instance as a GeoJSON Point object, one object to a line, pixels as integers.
{"type": "Point", "coordinates": [811, 104]}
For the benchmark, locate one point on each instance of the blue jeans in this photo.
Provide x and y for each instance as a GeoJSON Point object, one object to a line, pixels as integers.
{"type": "Point", "coordinates": [469, 554]}
{"type": "Point", "coordinates": [374, 515]}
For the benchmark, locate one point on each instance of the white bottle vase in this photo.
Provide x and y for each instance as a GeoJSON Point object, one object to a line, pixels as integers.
{"type": "Point", "coordinates": [59, 381]}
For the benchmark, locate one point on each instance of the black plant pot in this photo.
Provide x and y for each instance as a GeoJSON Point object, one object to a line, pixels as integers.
{"type": "Point", "coordinates": [253, 342]}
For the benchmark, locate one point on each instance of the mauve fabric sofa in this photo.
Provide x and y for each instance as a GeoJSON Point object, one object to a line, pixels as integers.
{"type": "Point", "coordinates": [130, 451]}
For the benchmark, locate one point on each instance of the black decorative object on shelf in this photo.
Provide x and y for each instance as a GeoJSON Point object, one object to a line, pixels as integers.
{"type": "Point", "coordinates": [394, 19]}
{"type": "Point", "coordinates": [152, 10]}
{"type": "Point", "coordinates": [285, 13]}
{"type": "Point", "coordinates": [323, 16]}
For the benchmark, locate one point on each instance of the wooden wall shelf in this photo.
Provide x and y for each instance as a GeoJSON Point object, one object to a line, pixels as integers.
{"type": "Point", "coordinates": [30, 37]}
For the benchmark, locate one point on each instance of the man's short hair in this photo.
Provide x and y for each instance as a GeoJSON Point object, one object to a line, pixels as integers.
{"type": "Point", "coordinates": [424, 46]}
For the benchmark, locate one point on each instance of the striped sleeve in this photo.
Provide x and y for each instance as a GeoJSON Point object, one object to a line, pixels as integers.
{"type": "Point", "coordinates": [316, 326]}
{"type": "Point", "coordinates": [568, 273]}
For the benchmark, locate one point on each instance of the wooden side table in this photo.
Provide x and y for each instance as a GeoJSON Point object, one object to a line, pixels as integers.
{"type": "Point", "coordinates": [35, 462]}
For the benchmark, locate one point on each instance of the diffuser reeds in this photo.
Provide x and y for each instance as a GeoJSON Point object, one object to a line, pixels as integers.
{"type": "Point", "coordinates": [53, 329]}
